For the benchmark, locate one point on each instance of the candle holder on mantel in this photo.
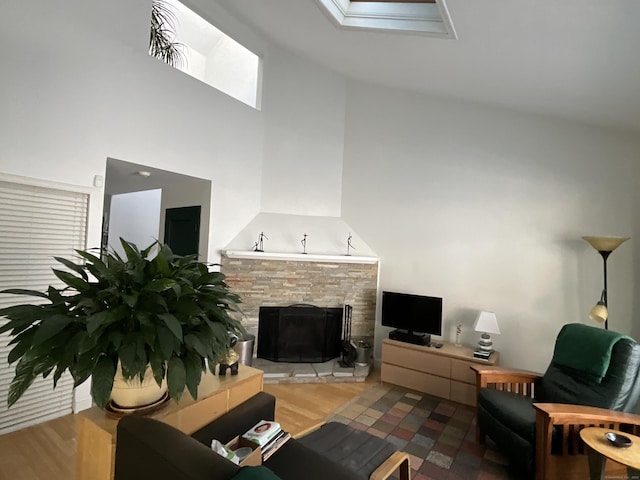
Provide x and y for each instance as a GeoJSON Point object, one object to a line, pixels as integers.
{"type": "Point", "coordinates": [349, 245]}
{"type": "Point", "coordinates": [259, 245]}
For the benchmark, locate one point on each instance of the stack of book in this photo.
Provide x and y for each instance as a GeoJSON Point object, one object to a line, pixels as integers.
{"type": "Point", "coordinates": [483, 354]}
{"type": "Point", "coordinates": [269, 436]}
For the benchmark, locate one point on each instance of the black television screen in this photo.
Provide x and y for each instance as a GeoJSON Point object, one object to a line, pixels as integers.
{"type": "Point", "coordinates": [414, 313]}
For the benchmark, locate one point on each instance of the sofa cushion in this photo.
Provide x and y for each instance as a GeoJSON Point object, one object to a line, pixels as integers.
{"type": "Point", "coordinates": [511, 409]}
{"type": "Point", "coordinates": [255, 473]}
{"type": "Point", "coordinates": [294, 461]}
{"type": "Point", "coordinates": [355, 450]}
{"type": "Point", "coordinates": [151, 450]}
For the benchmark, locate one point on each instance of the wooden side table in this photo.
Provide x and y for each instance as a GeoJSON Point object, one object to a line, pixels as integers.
{"type": "Point", "coordinates": [96, 450]}
{"type": "Point", "coordinates": [599, 449]}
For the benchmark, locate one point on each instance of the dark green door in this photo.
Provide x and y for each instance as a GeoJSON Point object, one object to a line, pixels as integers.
{"type": "Point", "coordinates": [182, 230]}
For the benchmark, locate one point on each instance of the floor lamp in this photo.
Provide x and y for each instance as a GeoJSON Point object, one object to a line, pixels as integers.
{"type": "Point", "coordinates": [604, 246]}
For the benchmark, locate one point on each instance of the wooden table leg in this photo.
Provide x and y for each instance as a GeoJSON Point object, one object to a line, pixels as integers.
{"type": "Point", "coordinates": [633, 474]}
{"type": "Point", "coordinates": [596, 464]}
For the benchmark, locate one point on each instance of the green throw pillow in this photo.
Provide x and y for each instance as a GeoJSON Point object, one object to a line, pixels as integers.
{"type": "Point", "coordinates": [255, 473]}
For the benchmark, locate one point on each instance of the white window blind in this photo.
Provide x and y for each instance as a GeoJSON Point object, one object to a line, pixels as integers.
{"type": "Point", "coordinates": [36, 224]}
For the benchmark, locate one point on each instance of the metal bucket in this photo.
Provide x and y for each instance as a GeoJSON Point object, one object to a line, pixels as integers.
{"type": "Point", "coordinates": [363, 353]}
{"type": "Point", "coordinates": [244, 348]}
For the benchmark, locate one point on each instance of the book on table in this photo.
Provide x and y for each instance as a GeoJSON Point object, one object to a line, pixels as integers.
{"type": "Point", "coordinates": [263, 432]}
{"type": "Point", "coordinates": [274, 444]}
{"type": "Point", "coordinates": [485, 354]}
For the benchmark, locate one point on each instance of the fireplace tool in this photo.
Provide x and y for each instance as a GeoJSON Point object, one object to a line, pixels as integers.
{"type": "Point", "coordinates": [348, 351]}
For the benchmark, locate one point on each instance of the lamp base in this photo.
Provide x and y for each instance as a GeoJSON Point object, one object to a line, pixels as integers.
{"type": "Point", "coordinates": [485, 344]}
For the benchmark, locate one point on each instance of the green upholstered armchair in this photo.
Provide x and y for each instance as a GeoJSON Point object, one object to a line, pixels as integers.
{"type": "Point", "coordinates": [535, 419]}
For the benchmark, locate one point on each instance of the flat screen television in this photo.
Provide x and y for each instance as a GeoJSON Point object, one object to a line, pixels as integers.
{"type": "Point", "coordinates": [417, 314]}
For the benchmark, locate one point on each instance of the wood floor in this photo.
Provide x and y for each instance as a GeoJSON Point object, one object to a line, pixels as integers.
{"type": "Point", "coordinates": [47, 451]}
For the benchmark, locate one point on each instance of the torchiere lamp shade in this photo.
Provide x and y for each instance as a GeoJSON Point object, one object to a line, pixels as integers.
{"type": "Point", "coordinates": [605, 244]}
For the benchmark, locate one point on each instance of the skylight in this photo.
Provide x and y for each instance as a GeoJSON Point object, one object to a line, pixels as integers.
{"type": "Point", "coordinates": [215, 58]}
{"type": "Point", "coordinates": [424, 17]}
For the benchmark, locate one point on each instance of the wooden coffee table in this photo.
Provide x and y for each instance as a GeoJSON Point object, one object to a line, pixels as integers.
{"type": "Point", "coordinates": [599, 449]}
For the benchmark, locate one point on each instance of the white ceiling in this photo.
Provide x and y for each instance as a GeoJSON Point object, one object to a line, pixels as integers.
{"type": "Point", "coordinates": [576, 59]}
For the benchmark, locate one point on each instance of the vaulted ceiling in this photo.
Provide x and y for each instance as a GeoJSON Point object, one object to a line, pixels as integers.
{"type": "Point", "coordinates": [575, 59]}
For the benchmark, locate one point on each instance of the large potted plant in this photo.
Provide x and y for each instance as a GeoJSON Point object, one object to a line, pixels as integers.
{"type": "Point", "coordinates": [151, 312]}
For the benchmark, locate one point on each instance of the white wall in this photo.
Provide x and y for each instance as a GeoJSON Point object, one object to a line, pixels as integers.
{"type": "Point", "coordinates": [483, 207]}
{"type": "Point", "coordinates": [75, 96]}
{"type": "Point", "coordinates": [136, 218]}
{"type": "Point", "coordinates": [79, 87]}
{"type": "Point", "coordinates": [487, 208]}
{"type": "Point", "coordinates": [304, 107]}
{"type": "Point", "coordinates": [325, 235]}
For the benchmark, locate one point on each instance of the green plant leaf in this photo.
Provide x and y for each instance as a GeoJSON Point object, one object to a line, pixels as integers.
{"type": "Point", "coordinates": [88, 256]}
{"type": "Point", "coordinates": [22, 291]}
{"type": "Point", "coordinates": [188, 307]}
{"type": "Point", "coordinates": [196, 344]}
{"type": "Point", "coordinates": [97, 320]}
{"type": "Point", "coordinates": [130, 249]}
{"type": "Point", "coordinates": [22, 346]}
{"type": "Point", "coordinates": [102, 381]}
{"type": "Point", "coordinates": [131, 300]}
{"type": "Point", "coordinates": [176, 378]}
{"type": "Point", "coordinates": [194, 366]}
{"type": "Point", "coordinates": [69, 279]}
{"type": "Point", "coordinates": [160, 285]}
{"type": "Point", "coordinates": [165, 340]}
{"type": "Point", "coordinates": [49, 327]}
{"type": "Point", "coordinates": [127, 354]}
{"type": "Point", "coordinates": [172, 324]}
{"type": "Point", "coordinates": [157, 366]}
{"type": "Point", "coordinates": [82, 368]}
{"type": "Point", "coordinates": [79, 269]}
{"type": "Point", "coordinates": [22, 380]}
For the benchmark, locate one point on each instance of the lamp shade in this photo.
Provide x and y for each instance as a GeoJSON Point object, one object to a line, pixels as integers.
{"type": "Point", "coordinates": [599, 313]}
{"type": "Point", "coordinates": [487, 323]}
{"type": "Point", "coordinates": [605, 244]}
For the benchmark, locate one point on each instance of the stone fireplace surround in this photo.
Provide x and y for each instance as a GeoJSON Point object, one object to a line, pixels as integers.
{"type": "Point", "coordinates": [271, 279]}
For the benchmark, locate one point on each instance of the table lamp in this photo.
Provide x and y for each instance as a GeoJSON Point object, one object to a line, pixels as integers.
{"type": "Point", "coordinates": [486, 323]}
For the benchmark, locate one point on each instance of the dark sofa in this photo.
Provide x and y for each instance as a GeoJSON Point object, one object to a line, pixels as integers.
{"type": "Point", "coordinates": [149, 449]}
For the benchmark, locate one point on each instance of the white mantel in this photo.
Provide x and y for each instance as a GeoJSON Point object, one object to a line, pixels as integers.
{"type": "Point", "coordinates": [299, 257]}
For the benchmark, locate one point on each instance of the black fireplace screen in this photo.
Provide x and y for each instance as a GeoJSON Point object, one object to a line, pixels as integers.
{"type": "Point", "coordinates": [299, 333]}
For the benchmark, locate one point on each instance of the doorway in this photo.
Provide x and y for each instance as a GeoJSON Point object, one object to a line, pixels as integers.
{"type": "Point", "coordinates": [178, 191]}
{"type": "Point", "coordinates": [182, 230]}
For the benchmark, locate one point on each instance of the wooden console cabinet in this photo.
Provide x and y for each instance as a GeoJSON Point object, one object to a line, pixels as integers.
{"type": "Point", "coordinates": [443, 372]}
{"type": "Point", "coordinates": [217, 395]}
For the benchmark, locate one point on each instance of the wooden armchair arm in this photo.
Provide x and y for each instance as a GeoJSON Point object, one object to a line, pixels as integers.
{"type": "Point", "coordinates": [510, 379]}
{"type": "Point", "coordinates": [564, 414]}
{"type": "Point", "coordinates": [390, 465]}
{"type": "Point", "coordinates": [566, 441]}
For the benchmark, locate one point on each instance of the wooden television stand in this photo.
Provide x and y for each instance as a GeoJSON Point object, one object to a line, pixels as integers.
{"type": "Point", "coordinates": [443, 372]}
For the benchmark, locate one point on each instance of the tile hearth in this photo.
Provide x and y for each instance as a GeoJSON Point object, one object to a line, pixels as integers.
{"type": "Point", "coordinates": [327, 372]}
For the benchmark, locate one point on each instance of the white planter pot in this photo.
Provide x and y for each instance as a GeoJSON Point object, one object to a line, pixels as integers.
{"type": "Point", "coordinates": [133, 393]}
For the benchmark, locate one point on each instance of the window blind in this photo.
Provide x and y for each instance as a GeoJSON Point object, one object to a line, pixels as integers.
{"type": "Point", "coordinates": [36, 224]}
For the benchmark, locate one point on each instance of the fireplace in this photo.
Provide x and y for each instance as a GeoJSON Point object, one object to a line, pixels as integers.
{"type": "Point", "coordinates": [299, 333]}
